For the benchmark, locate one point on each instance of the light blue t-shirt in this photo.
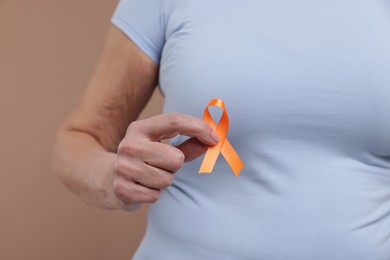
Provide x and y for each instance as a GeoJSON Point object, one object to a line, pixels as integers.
{"type": "Point", "coordinates": [306, 84]}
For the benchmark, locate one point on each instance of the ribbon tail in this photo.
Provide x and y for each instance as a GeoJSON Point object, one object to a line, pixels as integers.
{"type": "Point", "coordinates": [232, 158]}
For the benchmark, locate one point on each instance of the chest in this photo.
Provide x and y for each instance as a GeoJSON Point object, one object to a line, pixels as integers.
{"type": "Point", "coordinates": [285, 69]}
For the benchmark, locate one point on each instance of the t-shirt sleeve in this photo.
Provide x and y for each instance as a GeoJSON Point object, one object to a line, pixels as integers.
{"type": "Point", "coordinates": [143, 22]}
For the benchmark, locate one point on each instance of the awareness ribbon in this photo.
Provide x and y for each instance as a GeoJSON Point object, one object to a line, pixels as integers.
{"type": "Point", "coordinates": [223, 145]}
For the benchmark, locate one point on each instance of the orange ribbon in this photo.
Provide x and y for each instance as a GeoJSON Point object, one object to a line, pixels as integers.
{"type": "Point", "coordinates": [223, 145]}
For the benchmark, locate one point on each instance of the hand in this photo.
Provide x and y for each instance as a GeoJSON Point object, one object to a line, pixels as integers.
{"type": "Point", "coordinates": [145, 165]}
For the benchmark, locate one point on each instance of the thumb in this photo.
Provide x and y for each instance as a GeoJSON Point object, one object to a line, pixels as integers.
{"type": "Point", "coordinates": [192, 149]}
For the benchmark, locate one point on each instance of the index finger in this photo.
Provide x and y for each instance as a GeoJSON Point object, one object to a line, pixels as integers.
{"type": "Point", "coordinates": [168, 125]}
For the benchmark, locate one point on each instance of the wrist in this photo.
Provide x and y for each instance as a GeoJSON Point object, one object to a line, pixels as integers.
{"type": "Point", "coordinates": [100, 182]}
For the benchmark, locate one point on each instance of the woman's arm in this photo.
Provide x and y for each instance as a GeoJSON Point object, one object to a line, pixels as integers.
{"type": "Point", "coordinates": [103, 157]}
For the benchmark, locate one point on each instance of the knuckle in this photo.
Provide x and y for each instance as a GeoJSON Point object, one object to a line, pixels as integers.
{"type": "Point", "coordinates": [164, 181]}
{"type": "Point", "coordinates": [133, 126]}
{"type": "Point", "coordinates": [178, 160]}
{"type": "Point", "coordinates": [153, 197]}
{"type": "Point", "coordinates": [120, 190]}
{"type": "Point", "coordinates": [167, 181]}
{"type": "Point", "coordinates": [175, 119]}
{"type": "Point", "coordinates": [123, 146]}
{"type": "Point", "coordinates": [118, 167]}
{"type": "Point", "coordinates": [130, 147]}
{"type": "Point", "coordinates": [121, 168]}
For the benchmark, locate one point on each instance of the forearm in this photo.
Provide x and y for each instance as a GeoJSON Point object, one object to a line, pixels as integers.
{"type": "Point", "coordinates": [84, 167]}
{"type": "Point", "coordinates": [84, 154]}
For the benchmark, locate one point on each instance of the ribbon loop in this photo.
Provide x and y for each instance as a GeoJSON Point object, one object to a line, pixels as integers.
{"type": "Point", "coordinates": [223, 145]}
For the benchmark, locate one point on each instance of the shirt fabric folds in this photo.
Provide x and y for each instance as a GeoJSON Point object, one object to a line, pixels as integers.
{"type": "Point", "coordinates": [307, 88]}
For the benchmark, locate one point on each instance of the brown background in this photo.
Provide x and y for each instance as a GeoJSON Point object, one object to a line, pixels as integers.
{"type": "Point", "coordinates": [48, 50]}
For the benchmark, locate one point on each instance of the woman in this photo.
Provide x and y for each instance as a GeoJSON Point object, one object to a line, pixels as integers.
{"type": "Point", "coordinates": [307, 88]}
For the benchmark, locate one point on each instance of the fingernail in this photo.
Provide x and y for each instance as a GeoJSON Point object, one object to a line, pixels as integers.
{"type": "Point", "coordinates": [214, 136]}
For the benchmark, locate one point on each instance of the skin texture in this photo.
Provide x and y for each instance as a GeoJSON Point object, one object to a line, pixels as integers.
{"type": "Point", "coordinates": [103, 154]}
